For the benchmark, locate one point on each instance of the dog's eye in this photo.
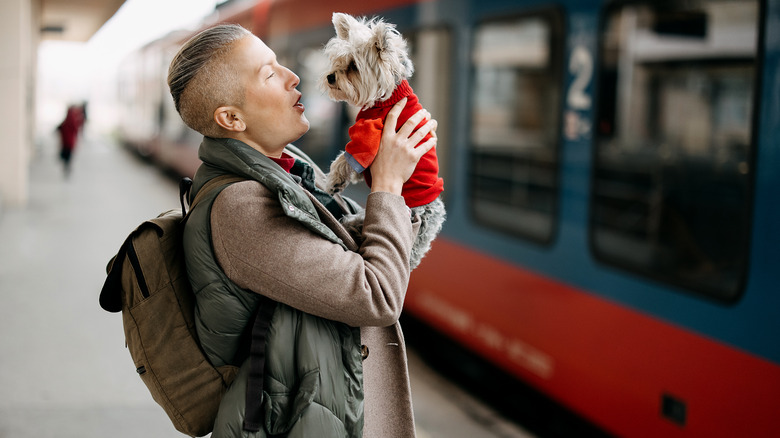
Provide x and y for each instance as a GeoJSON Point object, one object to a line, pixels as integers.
{"type": "Point", "coordinates": [351, 67]}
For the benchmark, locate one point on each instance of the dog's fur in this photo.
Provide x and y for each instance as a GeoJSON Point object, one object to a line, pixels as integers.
{"type": "Point", "coordinates": [368, 60]}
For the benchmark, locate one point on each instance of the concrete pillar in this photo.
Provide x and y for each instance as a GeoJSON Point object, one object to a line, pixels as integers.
{"type": "Point", "coordinates": [18, 44]}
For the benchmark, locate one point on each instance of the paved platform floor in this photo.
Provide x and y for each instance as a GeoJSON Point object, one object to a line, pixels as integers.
{"type": "Point", "coordinates": [64, 370]}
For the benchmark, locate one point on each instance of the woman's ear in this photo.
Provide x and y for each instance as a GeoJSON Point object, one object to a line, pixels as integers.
{"type": "Point", "coordinates": [229, 118]}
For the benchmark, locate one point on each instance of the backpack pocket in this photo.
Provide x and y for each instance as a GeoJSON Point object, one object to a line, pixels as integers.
{"type": "Point", "coordinates": [180, 380]}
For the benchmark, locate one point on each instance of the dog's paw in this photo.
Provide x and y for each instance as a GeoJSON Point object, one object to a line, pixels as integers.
{"type": "Point", "coordinates": [339, 176]}
{"type": "Point", "coordinates": [335, 186]}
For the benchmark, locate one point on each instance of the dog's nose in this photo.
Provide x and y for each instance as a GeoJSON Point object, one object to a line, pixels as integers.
{"type": "Point", "coordinates": [331, 78]}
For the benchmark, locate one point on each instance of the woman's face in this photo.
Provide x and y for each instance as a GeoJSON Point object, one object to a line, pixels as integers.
{"type": "Point", "coordinates": [272, 110]}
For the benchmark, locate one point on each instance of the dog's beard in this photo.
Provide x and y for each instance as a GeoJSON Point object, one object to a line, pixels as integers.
{"type": "Point", "coordinates": [338, 94]}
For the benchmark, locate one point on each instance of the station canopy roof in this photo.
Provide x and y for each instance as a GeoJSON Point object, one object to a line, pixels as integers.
{"type": "Point", "coordinates": [75, 20]}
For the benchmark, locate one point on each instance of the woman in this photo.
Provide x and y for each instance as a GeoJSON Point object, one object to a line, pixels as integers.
{"type": "Point", "coordinates": [336, 360]}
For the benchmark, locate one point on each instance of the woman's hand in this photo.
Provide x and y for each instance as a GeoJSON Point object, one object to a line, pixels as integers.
{"type": "Point", "coordinates": [397, 157]}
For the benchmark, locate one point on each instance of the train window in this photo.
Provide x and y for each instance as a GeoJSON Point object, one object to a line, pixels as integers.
{"type": "Point", "coordinates": [671, 188]}
{"type": "Point", "coordinates": [515, 111]}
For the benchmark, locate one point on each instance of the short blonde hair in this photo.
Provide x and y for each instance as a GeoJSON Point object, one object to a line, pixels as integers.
{"type": "Point", "coordinates": [201, 81]}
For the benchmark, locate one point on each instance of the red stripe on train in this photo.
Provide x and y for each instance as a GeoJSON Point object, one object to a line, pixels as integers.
{"type": "Point", "coordinates": [607, 362]}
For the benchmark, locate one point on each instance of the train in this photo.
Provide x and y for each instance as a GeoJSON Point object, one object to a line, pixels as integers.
{"type": "Point", "coordinates": [612, 180]}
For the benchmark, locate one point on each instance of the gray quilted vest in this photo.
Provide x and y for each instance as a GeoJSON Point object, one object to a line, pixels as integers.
{"type": "Point", "coordinates": [313, 384]}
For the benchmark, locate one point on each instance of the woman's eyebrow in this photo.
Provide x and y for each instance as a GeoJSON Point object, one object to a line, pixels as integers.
{"type": "Point", "coordinates": [272, 61]}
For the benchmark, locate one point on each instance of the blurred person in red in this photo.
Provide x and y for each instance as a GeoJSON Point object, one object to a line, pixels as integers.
{"type": "Point", "coordinates": [69, 132]}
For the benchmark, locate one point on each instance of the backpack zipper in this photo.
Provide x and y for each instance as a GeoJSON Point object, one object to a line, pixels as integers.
{"type": "Point", "coordinates": [139, 275]}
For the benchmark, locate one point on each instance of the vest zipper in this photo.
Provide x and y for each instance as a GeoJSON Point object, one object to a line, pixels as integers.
{"type": "Point", "coordinates": [139, 274]}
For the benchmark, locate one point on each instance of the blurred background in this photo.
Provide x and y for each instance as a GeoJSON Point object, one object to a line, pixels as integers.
{"type": "Point", "coordinates": [609, 262]}
{"type": "Point", "coordinates": [76, 65]}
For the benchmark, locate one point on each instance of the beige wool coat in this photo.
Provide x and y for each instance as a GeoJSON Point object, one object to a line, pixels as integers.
{"type": "Point", "coordinates": [261, 249]}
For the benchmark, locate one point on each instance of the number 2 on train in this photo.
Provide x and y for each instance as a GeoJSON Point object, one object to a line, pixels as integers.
{"type": "Point", "coordinates": [581, 67]}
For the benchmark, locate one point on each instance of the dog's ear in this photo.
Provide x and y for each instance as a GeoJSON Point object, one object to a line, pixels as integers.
{"type": "Point", "coordinates": [408, 66]}
{"type": "Point", "coordinates": [379, 36]}
{"type": "Point", "coordinates": [342, 23]}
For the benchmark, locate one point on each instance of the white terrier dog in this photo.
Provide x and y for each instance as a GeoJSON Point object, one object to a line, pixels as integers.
{"type": "Point", "coordinates": [369, 67]}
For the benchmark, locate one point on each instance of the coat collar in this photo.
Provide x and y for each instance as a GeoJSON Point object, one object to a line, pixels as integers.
{"type": "Point", "coordinates": [229, 156]}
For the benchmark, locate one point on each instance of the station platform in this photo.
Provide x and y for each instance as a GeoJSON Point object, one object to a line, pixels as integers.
{"type": "Point", "coordinates": [64, 368]}
{"type": "Point", "coordinates": [65, 371]}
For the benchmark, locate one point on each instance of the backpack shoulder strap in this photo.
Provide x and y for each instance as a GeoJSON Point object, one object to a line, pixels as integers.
{"type": "Point", "coordinates": [253, 416]}
{"type": "Point", "coordinates": [186, 185]}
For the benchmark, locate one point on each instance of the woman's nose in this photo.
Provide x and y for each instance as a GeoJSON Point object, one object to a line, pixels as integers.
{"type": "Point", "coordinates": [295, 80]}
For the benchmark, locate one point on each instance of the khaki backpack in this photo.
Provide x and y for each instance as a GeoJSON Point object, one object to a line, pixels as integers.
{"type": "Point", "coordinates": [147, 281]}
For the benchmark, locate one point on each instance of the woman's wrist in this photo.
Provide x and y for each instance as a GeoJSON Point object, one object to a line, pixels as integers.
{"type": "Point", "coordinates": [391, 185]}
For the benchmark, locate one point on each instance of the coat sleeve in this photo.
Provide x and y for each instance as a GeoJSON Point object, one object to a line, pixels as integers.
{"type": "Point", "coordinates": [262, 249]}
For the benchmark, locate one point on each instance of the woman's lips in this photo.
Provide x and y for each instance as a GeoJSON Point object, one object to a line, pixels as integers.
{"type": "Point", "coordinates": [298, 104]}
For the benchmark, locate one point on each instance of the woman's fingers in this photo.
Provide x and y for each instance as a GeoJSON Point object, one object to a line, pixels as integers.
{"type": "Point", "coordinates": [399, 152]}
{"type": "Point", "coordinates": [421, 150]}
{"type": "Point", "coordinates": [408, 127]}
{"type": "Point", "coordinates": [391, 121]}
{"type": "Point", "coordinates": [418, 136]}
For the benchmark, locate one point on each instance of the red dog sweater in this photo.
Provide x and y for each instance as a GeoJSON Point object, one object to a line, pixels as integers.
{"type": "Point", "coordinates": [425, 185]}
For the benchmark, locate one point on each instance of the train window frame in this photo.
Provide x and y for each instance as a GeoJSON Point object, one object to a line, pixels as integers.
{"type": "Point", "coordinates": [553, 19]}
{"type": "Point", "coordinates": [724, 293]}
{"type": "Point", "coordinates": [442, 36]}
